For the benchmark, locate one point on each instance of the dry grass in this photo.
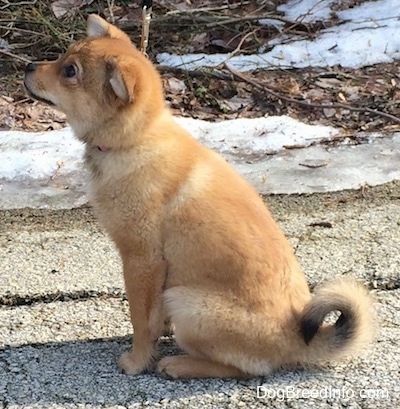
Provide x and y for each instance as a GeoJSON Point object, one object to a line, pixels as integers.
{"type": "Point", "coordinates": [29, 30]}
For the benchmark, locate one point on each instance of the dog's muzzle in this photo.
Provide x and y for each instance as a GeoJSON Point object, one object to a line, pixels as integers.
{"type": "Point", "coordinates": [29, 69]}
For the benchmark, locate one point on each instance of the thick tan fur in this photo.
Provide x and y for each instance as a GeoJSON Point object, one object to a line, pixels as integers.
{"type": "Point", "coordinates": [199, 247]}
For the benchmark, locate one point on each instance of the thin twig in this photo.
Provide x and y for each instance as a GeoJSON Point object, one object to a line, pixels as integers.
{"type": "Point", "coordinates": [213, 20]}
{"type": "Point", "coordinates": [199, 73]}
{"type": "Point", "coordinates": [206, 9]}
{"type": "Point", "coordinates": [239, 47]}
{"type": "Point", "coordinates": [15, 56]}
{"type": "Point", "coordinates": [308, 104]}
{"type": "Point", "coordinates": [110, 5]}
{"type": "Point", "coordinates": [234, 20]}
{"type": "Point", "coordinates": [21, 3]}
{"type": "Point", "coordinates": [22, 30]}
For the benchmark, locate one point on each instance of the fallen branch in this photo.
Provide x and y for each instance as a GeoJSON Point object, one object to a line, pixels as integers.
{"type": "Point", "coordinates": [256, 84]}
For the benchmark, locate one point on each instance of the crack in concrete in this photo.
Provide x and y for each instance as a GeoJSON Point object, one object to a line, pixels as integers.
{"type": "Point", "coordinates": [15, 300]}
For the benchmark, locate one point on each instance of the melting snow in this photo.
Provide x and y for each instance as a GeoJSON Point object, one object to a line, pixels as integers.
{"type": "Point", "coordinates": [364, 35]}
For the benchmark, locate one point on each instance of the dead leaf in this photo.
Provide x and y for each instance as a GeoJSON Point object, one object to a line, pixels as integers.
{"type": "Point", "coordinates": [235, 103]}
{"type": "Point", "coordinates": [176, 86]}
{"type": "Point", "coordinates": [292, 87]}
{"type": "Point", "coordinates": [352, 93]}
{"type": "Point", "coordinates": [328, 83]}
{"type": "Point", "coordinates": [329, 112]}
{"type": "Point", "coordinates": [315, 95]}
{"type": "Point", "coordinates": [199, 42]}
{"type": "Point", "coordinates": [68, 7]}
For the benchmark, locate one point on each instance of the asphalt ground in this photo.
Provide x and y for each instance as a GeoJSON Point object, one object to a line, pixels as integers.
{"type": "Point", "coordinates": [64, 318]}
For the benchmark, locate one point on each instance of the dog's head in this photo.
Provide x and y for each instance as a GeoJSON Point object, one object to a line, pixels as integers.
{"type": "Point", "coordinates": [98, 80]}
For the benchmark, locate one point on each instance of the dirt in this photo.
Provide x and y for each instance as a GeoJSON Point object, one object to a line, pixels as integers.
{"type": "Point", "coordinates": [32, 32]}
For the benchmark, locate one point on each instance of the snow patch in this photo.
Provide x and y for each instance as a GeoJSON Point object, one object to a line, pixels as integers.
{"type": "Point", "coordinates": [256, 137]}
{"type": "Point", "coordinates": [307, 11]}
{"type": "Point", "coordinates": [365, 35]}
{"type": "Point", "coordinates": [41, 156]}
{"type": "Point", "coordinates": [29, 155]}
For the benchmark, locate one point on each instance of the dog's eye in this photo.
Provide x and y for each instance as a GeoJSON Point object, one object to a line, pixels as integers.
{"type": "Point", "coordinates": [69, 71]}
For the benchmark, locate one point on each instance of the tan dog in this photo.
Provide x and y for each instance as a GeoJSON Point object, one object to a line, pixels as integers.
{"type": "Point", "coordinates": [198, 245]}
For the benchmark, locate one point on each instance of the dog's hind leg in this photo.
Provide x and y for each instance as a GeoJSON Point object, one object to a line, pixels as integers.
{"type": "Point", "coordinates": [215, 335]}
{"type": "Point", "coordinates": [186, 366]}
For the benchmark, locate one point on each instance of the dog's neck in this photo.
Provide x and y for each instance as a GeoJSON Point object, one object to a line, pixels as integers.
{"type": "Point", "coordinates": [124, 139]}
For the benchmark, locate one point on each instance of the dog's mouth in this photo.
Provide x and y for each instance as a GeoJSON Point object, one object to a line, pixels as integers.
{"type": "Point", "coordinates": [37, 97]}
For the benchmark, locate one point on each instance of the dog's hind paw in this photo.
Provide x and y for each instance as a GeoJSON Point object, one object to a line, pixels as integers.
{"type": "Point", "coordinates": [186, 366]}
{"type": "Point", "coordinates": [172, 367]}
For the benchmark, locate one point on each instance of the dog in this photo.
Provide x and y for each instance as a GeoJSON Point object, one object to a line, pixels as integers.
{"type": "Point", "coordinates": [198, 245]}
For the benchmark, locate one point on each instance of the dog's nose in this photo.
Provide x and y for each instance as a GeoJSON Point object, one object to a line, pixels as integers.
{"type": "Point", "coordinates": [30, 67]}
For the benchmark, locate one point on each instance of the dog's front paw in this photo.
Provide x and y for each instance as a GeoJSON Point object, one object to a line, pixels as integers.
{"type": "Point", "coordinates": [130, 365]}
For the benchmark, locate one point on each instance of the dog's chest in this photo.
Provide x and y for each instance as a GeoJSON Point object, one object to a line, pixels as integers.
{"type": "Point", "coordinates": [123, 209]}
{"type": "Point", "coordinates": [125, 196]}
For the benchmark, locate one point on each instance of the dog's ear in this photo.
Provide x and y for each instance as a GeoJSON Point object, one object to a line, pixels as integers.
{"type": "Point", "coordinates": [98, 27]}
{"type": "Point", "coordinates": [122, 85]}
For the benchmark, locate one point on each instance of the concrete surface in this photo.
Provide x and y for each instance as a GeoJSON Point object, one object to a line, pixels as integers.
{"type": "Point", "coordinates": [64, 319]}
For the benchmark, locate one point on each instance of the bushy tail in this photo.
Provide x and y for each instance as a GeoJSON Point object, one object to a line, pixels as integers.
{"type": "Point", "coordinates": [353, 329]}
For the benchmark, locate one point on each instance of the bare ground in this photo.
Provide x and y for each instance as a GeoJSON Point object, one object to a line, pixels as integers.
{"type": "Point", "coordinates": [366, 99]}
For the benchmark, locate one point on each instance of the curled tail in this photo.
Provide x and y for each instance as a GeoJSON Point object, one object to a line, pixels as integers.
{"type": "Point", "coordinates": [353, 329]}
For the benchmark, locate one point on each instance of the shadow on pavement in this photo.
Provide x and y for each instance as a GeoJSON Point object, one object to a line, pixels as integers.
{"type": "Point", "coordinates": [86, 372]}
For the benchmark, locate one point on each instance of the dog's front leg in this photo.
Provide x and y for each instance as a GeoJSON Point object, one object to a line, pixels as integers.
{"type": "Point", "coordinates": [144, 282]}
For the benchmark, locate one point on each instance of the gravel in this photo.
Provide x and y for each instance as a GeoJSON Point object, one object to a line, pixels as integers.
{"type": "Point", "coordinates": [64, 318]}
